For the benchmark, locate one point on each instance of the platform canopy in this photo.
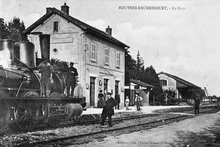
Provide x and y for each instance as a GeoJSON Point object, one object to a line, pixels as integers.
{"type": "Point", "coordinates": [140, 83]}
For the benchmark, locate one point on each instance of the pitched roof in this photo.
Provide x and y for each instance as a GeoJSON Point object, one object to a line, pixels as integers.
{"type": "Point", "coordinates": [80, 24]}
{"type": "Point", "coordinates": [138, 82]}
{"type": "Point", "coordinates": [180, 80]}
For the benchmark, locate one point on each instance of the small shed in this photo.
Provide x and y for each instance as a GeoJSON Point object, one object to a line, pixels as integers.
{"type": "Point", "coordinates": [143, 88]}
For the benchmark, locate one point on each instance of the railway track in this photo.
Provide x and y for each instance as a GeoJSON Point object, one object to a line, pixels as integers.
{"type": "Point", "coordinates": [157, 119]}
{"type": "Point", "coordinates": [96, 119]}
{"type": "Point", "coordinates": [92, 120]}
{"type": "Point", "coordinates": [118, 119]}
{"type": "Point", "coordinates": [145, 125]}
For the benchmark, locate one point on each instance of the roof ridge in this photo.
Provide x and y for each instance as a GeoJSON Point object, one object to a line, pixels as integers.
{"type": "Point", "coordinates": [178, 78]}
{"type": "Point", "coordinates": [75, 21]}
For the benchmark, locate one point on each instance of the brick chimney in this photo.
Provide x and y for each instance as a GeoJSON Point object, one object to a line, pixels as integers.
{"type": "Point", "coordinates": [49, 9]}
{"type": "Point", "coordinates": [65, 9]}
{"type": "Point", "coordinates": [109, 31]}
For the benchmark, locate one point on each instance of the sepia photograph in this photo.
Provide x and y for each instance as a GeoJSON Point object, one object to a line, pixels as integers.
{"type": "Point", "coordinates": [103, 73]}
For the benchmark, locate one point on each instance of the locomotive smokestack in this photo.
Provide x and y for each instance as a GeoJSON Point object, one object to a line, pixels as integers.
{"type": "Point", "coordinates": [45, 46]}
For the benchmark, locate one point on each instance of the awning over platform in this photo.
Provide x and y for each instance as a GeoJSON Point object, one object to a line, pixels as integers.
{"type": "Point", "coordinates": [142, 84]}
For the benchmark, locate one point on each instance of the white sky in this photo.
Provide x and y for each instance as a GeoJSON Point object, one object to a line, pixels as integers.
{"type": "Point", "coordinates": [184, 43]}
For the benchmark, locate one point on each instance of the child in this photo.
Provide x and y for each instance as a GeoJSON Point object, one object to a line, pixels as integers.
{"type": "Point", "coordinates": [127, 102]}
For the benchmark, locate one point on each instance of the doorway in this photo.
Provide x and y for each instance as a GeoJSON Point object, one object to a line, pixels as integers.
{"type": "Point", "coordinates": [92, 91]}
{"type": "Point", "coordinates": [116, 87]}
{"type": "Point", "coordinates": [105, 88]}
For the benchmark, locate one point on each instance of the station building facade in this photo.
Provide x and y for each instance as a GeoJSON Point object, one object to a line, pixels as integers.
{"type": "Point", "coordinates": [98, 57]}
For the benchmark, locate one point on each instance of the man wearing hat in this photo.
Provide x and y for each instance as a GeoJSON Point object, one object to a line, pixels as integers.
{"type": "Point", "coordinates": [138, 100]}
{"type": "Point", "coordinates": [46, 76]}
{"type": "Point", "coordinates": [108, 109]}
{"type": "Point", "coordinates": [71, 79]}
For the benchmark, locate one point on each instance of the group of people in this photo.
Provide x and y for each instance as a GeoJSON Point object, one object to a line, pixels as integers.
{"type": "Point", "coordinates": [101, 100]}
{"type": "Point", "coordinates": [110, 103]}
{"type": "Point", "coordinates": [47, 69]}
{"type": "Point", "coordinates": [108, 106]}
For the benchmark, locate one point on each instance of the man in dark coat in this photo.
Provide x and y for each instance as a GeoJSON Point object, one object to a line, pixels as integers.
{"type": "Point", "coordinates": [197, 103]}
{"type": "Point", "coordinates": [46, 76]}
{"type": "Point", "coordinates": [117, 99]}
{"type": "Point", "coordinates": [108, 110]}
{"type": "Point", "coordinates": [71, 79]}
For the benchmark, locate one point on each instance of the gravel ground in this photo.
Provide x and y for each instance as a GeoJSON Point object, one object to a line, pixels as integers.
{"type": "Point", "coordinates": [200, 131]}
{"type": "Point", "coordinates": [13, 139]}
{"type": "Point", "coordinates": [28, 137]}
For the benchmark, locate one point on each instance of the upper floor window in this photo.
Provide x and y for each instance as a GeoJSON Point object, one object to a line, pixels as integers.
{"type": "Point", "coordinates": [107, 56]}
{"type": "Point", "coordinates": [55, 26]}
{"type": "Point", "coordinates": [117, 59]}
{"type": "Point", "coordinates": [93, 52]}
{"type": "Point", "coordinates": [163, 82]}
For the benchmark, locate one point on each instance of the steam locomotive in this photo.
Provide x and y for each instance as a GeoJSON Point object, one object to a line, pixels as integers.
{"type": "Point", "coordinates": [21, 103]}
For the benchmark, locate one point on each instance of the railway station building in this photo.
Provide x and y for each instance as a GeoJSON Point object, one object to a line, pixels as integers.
{"type": "Point", "coordinates": [182, 87]}
{"type": "Point", "coordinates": [98, 57]}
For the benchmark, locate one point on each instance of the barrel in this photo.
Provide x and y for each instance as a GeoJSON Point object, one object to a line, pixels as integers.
{"type": "Point", "coordinates": [25, 52]}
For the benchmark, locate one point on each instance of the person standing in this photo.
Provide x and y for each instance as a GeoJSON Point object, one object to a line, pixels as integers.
{"type": "Point", "coordinates": [71, 79]}
{"type": "Point", "coordinates": [197, 103]}
{"type": "Point", "coordinates": [117, 100]}
{"type": "Point", "coordinates": [54, 67]}
{"type": "Point", "coordinates": [46, 76]}
{"type": "Point", "coordinates": [108, 110]}
{"type": "Point", "coordinates": [127, 101]}
{"type": "Point", "coordinates": [101, 99]}
{"type": "Point", "coordinates": [138, 100]}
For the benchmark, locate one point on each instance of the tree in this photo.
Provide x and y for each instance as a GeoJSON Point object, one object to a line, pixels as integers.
{"type": "Point", "coordinates": [4, 32]}
{"type": "Point", "coordinates": [170, 97]}
{"type": "Point", "coordinates": [150, 76]}
{"type": "Point", "coordinates": [139, 67]}
{"type": "Point", "coordinates": [13, 30]}
{"type": "Point", "coordinates": [130, 64]}
{"type": "Point", "coordinates": [16, 27]}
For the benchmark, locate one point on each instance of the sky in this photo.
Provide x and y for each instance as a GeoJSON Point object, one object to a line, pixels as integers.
{"type": "Point", "coordinates": [182, 39]}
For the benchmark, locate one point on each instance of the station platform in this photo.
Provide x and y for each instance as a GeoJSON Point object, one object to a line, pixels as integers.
{"type": "Point", "coordinates": [132, 109]}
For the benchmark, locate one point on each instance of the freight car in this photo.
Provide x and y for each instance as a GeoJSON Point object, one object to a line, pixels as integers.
{"type": "Point", "coordinates": [21, 103]}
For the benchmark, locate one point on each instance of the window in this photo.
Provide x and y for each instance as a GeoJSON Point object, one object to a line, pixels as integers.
{"type": "Point", "coordinates": [106, 56]}
{"type": "Point", "coordinates": [55, 26]}
{"type": "Point", "coordinates": [117, 59]}
{"type": "Point", "coordinates": [55, 51]}
{"type": "Point", "coordinates": [163, 82]}
{"type": "Point", "coordinates": [93, 52]}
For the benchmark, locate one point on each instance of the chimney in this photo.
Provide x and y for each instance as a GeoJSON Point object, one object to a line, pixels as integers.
{"type": "Point", "coordinates": [65, 9]}
{"type": "Point", "coordinates": [49, 9]}
{"type": "Point", "coordinates": [109, 31]}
